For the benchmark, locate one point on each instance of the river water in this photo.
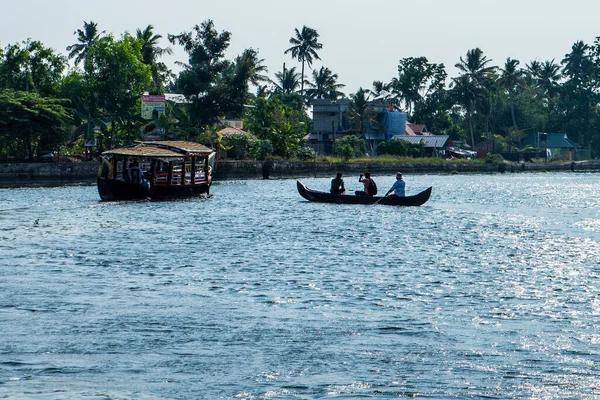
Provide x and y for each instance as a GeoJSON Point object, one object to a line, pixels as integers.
{"type": "Point", "coordinates": [491, 289]}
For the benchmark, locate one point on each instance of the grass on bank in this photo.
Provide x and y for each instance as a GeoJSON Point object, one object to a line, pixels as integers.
{"type": "Point", "coordinates": [390, 160]}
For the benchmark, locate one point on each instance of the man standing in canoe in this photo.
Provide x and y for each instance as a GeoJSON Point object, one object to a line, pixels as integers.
{"type": "Point", "coordinates": [397, 187]}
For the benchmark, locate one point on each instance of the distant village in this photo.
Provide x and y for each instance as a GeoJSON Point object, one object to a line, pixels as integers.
{"type": "Point", "coordinates": [331, 123]}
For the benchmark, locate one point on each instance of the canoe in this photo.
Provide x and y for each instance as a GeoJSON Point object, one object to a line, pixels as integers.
{"type": "Point", "coordinates": [323, 197]}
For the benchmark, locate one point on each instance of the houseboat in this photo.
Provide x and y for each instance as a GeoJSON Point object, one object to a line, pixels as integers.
{"type": "Point", "coordinates": [156, 170]}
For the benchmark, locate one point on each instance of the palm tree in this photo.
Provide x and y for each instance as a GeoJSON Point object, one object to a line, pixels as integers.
{"type": "Point", "coordinates": [324, 85]}
{"type": "Point", "coordinates": [150, 54]}
{"type": "Point", "coordinates": [379, 87]}
{"type": "Point", "coordinates": [511, 79]}
{"type": "Point", "coordinates": [470, 86]}
{"type": "Point", "coordinates": [549, 75]}
{"type": "Point", "coordinates": [304, 48]}
{"type": "Point", "coordinates": [578, 64]}
{"type": "Point", "coordinates": [469, 96]}
{"type": "Point", "coordinates": [287, 82]}
{"type": "Point", "coordinates": [360, 110]}
{"type": "Point", "coordinates": [361, 113]}
{"type": "Point", "coordinates": [533, 71]}
{"type": "Point", "coordinates": [86, 38]}
{"type": "Point", "coordinates": [476, 66]}
{"type": "Point", "coordinates": [253, 66]}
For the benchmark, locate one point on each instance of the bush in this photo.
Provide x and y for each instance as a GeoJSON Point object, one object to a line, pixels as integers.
{"type": "Point", "coordinates": [394, 148]}
{"type": "Point", "coordinates": [239, 145]}
{"type": "Point", "coordinates": [493, 159]}
{"type": "Point", "coordinates": [306, 153]}
{"type": "Point", "coordinates": [262, 149]}
{"type": "Point", "coordinates": [348, 147]}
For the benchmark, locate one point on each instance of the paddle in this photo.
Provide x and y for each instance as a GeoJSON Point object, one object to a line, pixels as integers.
{"type": "Point", "coordinates": [377, 202]}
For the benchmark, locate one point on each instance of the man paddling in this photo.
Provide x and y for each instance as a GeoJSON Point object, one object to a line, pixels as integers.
{"type": "Point", "coordinates": [398, 187]}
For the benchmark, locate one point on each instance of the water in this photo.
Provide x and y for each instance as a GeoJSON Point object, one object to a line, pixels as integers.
{"type": "Point", "coordinates": [491, 289]}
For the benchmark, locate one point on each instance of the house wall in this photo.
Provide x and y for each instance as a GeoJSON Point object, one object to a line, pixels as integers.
{"type": "Point", "coordinates": [329, 116]}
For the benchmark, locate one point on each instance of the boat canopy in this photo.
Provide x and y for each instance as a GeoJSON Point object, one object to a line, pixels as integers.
{"type": "Point", "coordinates": [162, 149]}
{"type": "Point", "coordinates": [189, 148]}
{"type": "Point", "coordinates": [143, 151]}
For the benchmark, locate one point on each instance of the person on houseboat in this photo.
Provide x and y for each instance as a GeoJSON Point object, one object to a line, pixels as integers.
{"type": "Point", "coordinates": [135, 173]}
{"type": "Point", "coordinates": [337, 184]}
{"type": "Point", "coordinates": [397, 189]}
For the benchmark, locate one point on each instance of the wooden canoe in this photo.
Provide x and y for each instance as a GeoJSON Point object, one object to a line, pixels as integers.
{"type": "Point", "coordinates": [323, 197]}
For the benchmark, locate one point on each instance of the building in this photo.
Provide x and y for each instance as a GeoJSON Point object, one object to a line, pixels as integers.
{"type": "Point", "coordinates": [554, 146]}
{"type": "Point", "coordinates": [435, 146]}
{"type": "Point", "coordinates": [331, 123]}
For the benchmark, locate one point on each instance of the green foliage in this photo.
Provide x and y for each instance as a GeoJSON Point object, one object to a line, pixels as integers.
{"type": "Point", "coordinates": [119, 76]}
{"type": "Point", "coordinates": [394, 148]}
{"type": "Point", "coordinates": [324, 85]}
{"type": "Point", "coordinates": [30, 66]}
{"type": "Point", "coordinates": [306, 153]}
{"type": "Point", "coordinates": [263, 148]}
{"type": "Point", "coordinates": [240, 145]}
{"type": "Point", "coordinates": [305, 46]}
{"type": "Point", "coordinates": [349, 147]}
{"type": "Point", "coordinates": [419, 82]}
{"type": "Point", "coordinates": [278, 123]}
{"type": "Point", "coordinates": [491, 158]}
{"type": "Point", "coordinates": [361, 112]}
{"type": "Point", "coordinates": [402, 148]}
{"type": "Point", "coordinates": [29, 121]}
{"type": "Point", "coordinates": [214, 86]}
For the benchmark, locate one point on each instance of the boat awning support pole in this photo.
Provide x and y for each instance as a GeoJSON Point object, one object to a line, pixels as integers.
{"type": "Point", "coordinates": [193, 172]}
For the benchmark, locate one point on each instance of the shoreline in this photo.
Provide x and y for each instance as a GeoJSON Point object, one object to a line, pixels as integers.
{"type": "Point", "coordinates": [84, 173]}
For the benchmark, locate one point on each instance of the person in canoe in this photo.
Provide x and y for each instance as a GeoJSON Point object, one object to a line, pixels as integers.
{"type": "Point", "coordinates": [337, 185]}
{"type": "Point", "coordinates": [397, 189]}
{"type": "Point", "coordinates": [370, 188]}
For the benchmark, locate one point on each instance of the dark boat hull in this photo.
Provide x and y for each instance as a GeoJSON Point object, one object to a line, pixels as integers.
{"type": "Point", "coordinates": [115, 190]}
{"type": "Point", "coordinates": [322, 197]}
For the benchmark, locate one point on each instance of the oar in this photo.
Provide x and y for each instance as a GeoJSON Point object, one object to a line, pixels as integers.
{"type": "Point", "coordinates": [377, 202]}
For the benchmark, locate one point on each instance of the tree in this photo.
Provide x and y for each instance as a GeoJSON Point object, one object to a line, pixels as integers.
{"type": "Point", "coordinates": [381, 88]}
{"type": "Point", "coordinates": [511, 79]}
{"type": "Point", "coordinates": [304, 48]}
{"type": "Point", "coordinates": [213, 85]}
{"type": "Point", "coordinates": [119, 77]}
{"type": "Point", "coordinates": [579, 92]}
{"type": "Point", "coordinates": [281, 125]}
{"type": "Point", "coordinates": [86, 39]}
{"type": "Point", "coordinates": [417, 80]}
{"type": "Point", "coordinates": [287, 82]}
{"type": "Point", "coordinates": [324, 85]}
{"type": "Point", "coordinates": [476, 75]}
{"type": "Point", "coordinates": [468, 96]}
{"type": "Point", "coordinates": [360, 111]}
{"type": "Point", "coordinates": [254, 67]}
{"type": "Point", "coordinates": [349, 146]}
{"type": "Point", "coordinates": [30, 66]}
{"type": "Point", "coordinates": [29, 121]}
{"type": "Point", "coordinates": [286, 89]}
{"type": "Point", "coordinates": [151, 51]}
{"type": "Point", "coordinates": [248, 69]}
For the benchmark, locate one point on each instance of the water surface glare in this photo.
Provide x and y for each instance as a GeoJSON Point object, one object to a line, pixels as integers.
{"type": "Point", "coordinates": [491, 289]}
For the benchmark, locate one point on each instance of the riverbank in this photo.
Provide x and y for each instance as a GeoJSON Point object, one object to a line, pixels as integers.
{"type": "Point", "coordinates": [32, 174]}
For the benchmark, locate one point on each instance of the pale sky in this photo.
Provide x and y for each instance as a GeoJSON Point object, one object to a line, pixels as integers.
{"type": "Point", "coordinates": [362, 40]}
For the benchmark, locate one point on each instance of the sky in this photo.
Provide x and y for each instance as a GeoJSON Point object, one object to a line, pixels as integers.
{"type": "Point", "coordinates": [363, 41]}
